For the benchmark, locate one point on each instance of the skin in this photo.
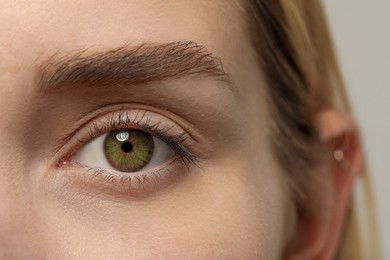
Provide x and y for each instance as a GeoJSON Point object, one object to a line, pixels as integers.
{"type": "Point", "coordinates": [237, 206]}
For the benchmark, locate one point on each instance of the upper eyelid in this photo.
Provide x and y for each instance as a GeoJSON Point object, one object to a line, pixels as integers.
{"type": "Point", "coordinates": [140, 115]}
{"type": "Point", "coordinates": [97, 112]}
{"type": "Point", "coordinates": [94, 113]}
{"type": "Point", "coordinates": [122, 119]}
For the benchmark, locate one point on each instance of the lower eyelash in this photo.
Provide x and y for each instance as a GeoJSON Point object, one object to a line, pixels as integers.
{"type": "Point", "coordinates": [116, 182]}
{"type": "Point", "coordinates": [141, 178]}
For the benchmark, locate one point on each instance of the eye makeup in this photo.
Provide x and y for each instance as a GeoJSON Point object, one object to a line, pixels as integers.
{"type": "Point", "coordinates": [140, 182]}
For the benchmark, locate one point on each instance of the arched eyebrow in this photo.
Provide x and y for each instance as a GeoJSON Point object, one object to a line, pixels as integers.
{"type": "Point", "coordinates": [142, 64]}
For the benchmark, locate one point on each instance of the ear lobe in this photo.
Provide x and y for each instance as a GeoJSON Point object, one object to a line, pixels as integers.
{"type": "Point", "coordinates": [319, 237]}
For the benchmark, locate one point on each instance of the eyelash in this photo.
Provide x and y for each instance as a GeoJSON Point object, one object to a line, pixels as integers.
{"type": "Point", "coordinates": [121, 120]}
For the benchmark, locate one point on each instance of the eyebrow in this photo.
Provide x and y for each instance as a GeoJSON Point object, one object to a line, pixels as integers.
{"type": "Point", "coordinates": [142, 64]}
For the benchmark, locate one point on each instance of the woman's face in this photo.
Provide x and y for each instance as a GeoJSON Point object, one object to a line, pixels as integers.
{"type": "Point", "coordinates": [76, 179]}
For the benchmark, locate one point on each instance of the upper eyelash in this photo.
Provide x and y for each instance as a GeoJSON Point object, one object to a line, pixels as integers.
{"type": "Point", "coordinates": [121, 120]}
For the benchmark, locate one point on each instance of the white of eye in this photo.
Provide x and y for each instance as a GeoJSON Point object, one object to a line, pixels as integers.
{"type": "Point", "coordinates": [92, 154]}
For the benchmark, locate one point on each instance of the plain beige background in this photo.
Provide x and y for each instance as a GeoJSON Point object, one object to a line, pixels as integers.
{"type": "Point", "coordinates": [361, 31]}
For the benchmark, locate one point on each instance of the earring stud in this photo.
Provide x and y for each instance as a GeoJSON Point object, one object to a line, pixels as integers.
{"type": "Point", "coordinates": [338, 155]}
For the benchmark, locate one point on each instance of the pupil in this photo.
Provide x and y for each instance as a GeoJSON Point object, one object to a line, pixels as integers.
{"type": "Point", "coordinates": [127, 147]}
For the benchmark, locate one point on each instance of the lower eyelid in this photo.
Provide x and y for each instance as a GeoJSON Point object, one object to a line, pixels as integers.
{"type": "Point", "coordinates": [114, 183]}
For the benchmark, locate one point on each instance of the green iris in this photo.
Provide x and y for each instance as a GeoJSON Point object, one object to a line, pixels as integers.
{"type": "Point", "coordinates": [128, 150]}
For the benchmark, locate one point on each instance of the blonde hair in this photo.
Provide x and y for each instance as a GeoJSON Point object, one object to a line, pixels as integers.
{"type": "Point", "coordinates": [297, 57]}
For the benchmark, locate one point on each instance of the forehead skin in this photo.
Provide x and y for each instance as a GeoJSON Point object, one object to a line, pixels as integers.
{"type": "Point", "coordinates": [235, 208]}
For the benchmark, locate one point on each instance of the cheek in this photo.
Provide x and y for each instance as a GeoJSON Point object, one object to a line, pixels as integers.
{"type": "Point", "coordinates": [248, 209]}
{"type": "Point", "coordinates": [228, 212]}
{"type": "Point", "coordinates": [239, 214]}
{"type": "Point", "coordinates": [233, 210]}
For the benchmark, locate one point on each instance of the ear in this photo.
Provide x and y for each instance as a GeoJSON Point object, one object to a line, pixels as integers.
{"type": "Point", "coordinates": [319, 237]}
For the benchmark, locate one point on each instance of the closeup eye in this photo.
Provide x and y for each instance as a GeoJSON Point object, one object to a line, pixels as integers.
{"type": "Point", "coordinates": [126, 150]}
